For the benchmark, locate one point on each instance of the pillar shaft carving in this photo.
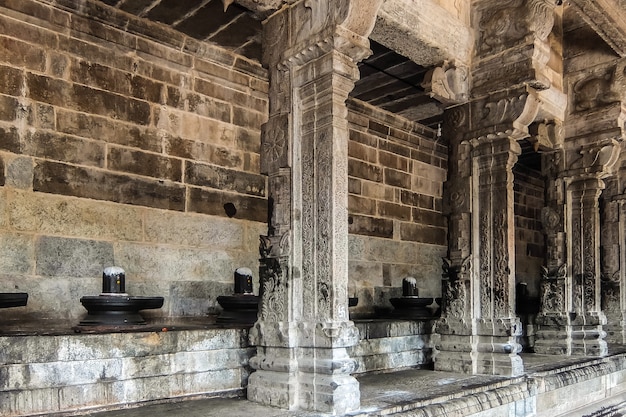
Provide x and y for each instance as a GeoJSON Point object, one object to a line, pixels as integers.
{"type": "Point", "coordinates": [478, 329]}
{"type": "Point", "coordinates": [494, 221]}
{"type": "Point", "coordinates": [611, 238]}
{"type": "Point", "coordinates": [575, 177]}
{"type": "Point", "coordinates": [584, 231]}
{"type": "Point", "coordinates": [303, 330]}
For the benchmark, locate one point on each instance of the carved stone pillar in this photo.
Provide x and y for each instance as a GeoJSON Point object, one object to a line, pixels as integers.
{"type": "Point", "coordinates": [613, 257]}
{"type": "Point", "coordinates": [554, 314]}
{"type": "Point", "coordinates": [497, 327]}
{"type": "Point", "coordinates": [587, 335]}
{"type": "Point", "coordinates": [478, 330]}
{"type": "Point", "coordinates": [303, 330]}
{"type": "Point", "coordinates": [571, 320]}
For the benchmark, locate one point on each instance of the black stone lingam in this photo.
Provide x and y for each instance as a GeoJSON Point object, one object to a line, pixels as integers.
{"type": "Point", "coordinates": [242, 307]}
{"type": "Point", "coordinates": [114, 306]}
{"type": "Point", "coordinates": [410, 305]}
{"type": "Point", "coordinates": [18, 299]}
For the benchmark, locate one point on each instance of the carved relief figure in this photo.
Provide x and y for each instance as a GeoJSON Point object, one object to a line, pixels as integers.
{"type": "Point", "coordinates": [600, 90]}
{"type": "Point", "coordinates": [454, 284]}
{"type": "Point", "coordinates": [553, 289]}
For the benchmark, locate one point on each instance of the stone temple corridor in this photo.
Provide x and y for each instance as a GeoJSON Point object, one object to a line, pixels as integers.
{"type": "Point", "coordinates": [313, 207]}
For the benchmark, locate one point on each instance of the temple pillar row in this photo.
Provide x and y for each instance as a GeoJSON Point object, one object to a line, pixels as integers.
{"type": "Point", "coordinates": [582, 278]}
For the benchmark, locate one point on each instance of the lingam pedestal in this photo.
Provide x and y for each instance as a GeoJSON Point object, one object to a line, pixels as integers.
{"type": "Point", "coordinates": [18, 299]}
{"type": "Point", "coordinates": [240, 308]}
{"type": "Point", "coordinates": [114, 306]}
{"type": "Point", "coordinates": [410, 305]}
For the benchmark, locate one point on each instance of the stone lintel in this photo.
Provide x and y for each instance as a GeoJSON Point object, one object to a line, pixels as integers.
{"type": "Point", "coordinates": [262, 8]}
{"type": "Point", "coordinates": [597, 123]}
{"type": "Point", "coordinates": [428, 34]}
{"type": "Point", "coordinates": [607, 18]}
{"type": "Point", "coordinates": [513, 68]}
{"type": "Point", "coordinates": [511, 47]}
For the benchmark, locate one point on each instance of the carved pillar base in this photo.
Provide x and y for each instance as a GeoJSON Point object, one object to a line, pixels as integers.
{"type": "Point", "coordinates": [305, 366]}
{"type": "Point", "coordinates": [494, 352]}
{"type": "Point", "coordinates": [325, 389]}
{"type": "Point", "coordinates": [275, 381]}
{"type": "Point", "coordinates": [325, 384]}
{"type": "Point", "coordinates": [588, 335]}
{"type": "Point", "coordinates": [611, 307]}
{"type": "Point", "coordinates": [497, 347]}
{"type": "Point", "coordinates": [453, 353]}
{"type": "Point", "coordinates": [616, 328]}
{"type": "Point", "coordinates": [552, 337]}
{"type": "Point", "coordinates": [571, 335]}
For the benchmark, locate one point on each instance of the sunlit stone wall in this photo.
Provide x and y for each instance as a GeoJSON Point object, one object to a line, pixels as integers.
{"type": "Point", "coordinates": [120, 143]}
{"type": "Point", "coordinates": [396, 173]}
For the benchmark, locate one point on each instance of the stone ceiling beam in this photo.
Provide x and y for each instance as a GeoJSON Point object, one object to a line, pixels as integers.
{"type": "Point", "coordinates": [607, 18]}
{"type": "Point", "coordinates": [261, 8]}
{"type": "Point", "coordinates": [424, 31]}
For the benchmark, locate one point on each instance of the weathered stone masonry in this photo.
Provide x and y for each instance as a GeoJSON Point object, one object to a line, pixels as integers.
{"type": "Point", "coordinates": [396, 171]}
{"type": "Point", "coordinates": [94, 115]}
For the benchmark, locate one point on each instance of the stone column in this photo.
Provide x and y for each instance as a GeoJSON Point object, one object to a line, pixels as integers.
{"type": "Point", "coordinates": [571, 320]}
{"type": "Point", "coordinates": [554, 314]}
{"type": "Point", "coordinates": [497, 327]}
{"type": "Point", "coordinates": [583, 225]}
{"type": "Point", "coordinates": [612, 225]}
{"type": "Point", "coordinates": [303, 330]}
{"type": "Point", "coordinates": [478, 329]}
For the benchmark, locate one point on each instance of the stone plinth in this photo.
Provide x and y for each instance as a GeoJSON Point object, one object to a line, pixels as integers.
{"type": "Point", "coordinates": [71, 373]}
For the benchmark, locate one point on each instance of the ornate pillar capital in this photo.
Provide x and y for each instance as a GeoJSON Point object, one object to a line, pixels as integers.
{"type": "Point", "coordinates": [448, 84]}
{"type": "Point", "coordinates": [306, 29]}
{"type": "Point", "coordinates": [506, 113]}
{"type": "Point", "coordinates": [594, 160]}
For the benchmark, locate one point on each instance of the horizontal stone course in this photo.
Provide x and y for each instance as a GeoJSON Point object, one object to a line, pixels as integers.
{"type": "Point", "coordinates": [212, 202]}
{"type": "Point", "coordinates": [22, 54]}
{"type": "Point", "coordinates": [65, 148]}
{"type": "Point", "coordinates": [108, 130]}
{"type": "Point", "coordinates": [146, 164]}
{"type": "Point", "coordinates": [225, 179]}
{"type": "Point", "coordinates": [45, 374]}
{"type": "Point", "coordinates": [76, 181]}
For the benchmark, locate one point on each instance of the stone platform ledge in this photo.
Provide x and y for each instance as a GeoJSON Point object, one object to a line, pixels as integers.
{"type": "Point", "coordinates": [53, 327]}
{"type": "Point", "coordinates": [589, 385]}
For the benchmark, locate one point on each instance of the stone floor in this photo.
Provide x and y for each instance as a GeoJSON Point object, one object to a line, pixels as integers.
{"type": "Point", "coordinates": [381, 394]}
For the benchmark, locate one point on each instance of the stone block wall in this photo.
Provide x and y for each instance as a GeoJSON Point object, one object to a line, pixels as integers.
{"type": "Point", "coordinates": [388, 345]}
{"type": "Point", "coordinates": [396, 173]}
{"type": "Point", "coordinates": [120, 143]}
{"type": "Point", "coordinates": [50, 374]}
